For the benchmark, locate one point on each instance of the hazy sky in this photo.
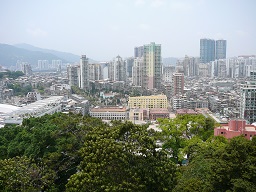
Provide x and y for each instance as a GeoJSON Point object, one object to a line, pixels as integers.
{"type": "Point", "coordinates": [102, 29]}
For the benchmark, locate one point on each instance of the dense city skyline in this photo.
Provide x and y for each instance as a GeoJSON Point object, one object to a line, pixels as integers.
{"type": "Point", "coordinates": [104, 29]}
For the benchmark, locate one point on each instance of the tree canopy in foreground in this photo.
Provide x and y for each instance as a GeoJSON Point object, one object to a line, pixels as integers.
{"type": "Point", "coordinates": [69, 152]}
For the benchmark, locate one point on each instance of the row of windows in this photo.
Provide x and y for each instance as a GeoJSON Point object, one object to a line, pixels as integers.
{"type": "Point", "coordinates": [107, 114]}
{"type": "Point", "coordinates": [145, 102]}
{"type": "Point", "coordinates": [147, 99]}
{"type": "Point", "coordinates": [112, 118]}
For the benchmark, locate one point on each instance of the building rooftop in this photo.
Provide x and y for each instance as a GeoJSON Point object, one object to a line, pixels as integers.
{"type": "Point", "coordinates": [37, 107]}
{"type": "Point", "coordinates": [5, 108]}
{"type": "Point", "coordinates": [185, 111]}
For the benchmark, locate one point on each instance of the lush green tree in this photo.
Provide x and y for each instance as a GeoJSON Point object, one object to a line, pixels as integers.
{"type": "Point", "coordinates": [52, 139]}
{"type": "Point", "coordinates": [40, 89]}
{"type": "Point", "coordinates": [234, 167]}
{"type": "Point", "coordinates": [177, 133]}
{"type": "Point", "coordinates": [173, 138]}
{"type": "Point", "coordinates": [77, 90]}
{"type": "Point", "coordinates": [221, 165]}
{"type": "Point", "coordinates": [22, 174]}
{"type": "Point", "coordinates": [85, 154]}
{"type": "Point", "coordinates": [20, 90]}
{"type": "Point", "coordinates": [122, 158]}
{"type": "Point", "coordinates": [11, 74]}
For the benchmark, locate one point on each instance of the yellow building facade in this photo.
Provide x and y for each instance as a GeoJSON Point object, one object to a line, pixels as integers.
{"type": "Point", "coordinates": [152, 101]}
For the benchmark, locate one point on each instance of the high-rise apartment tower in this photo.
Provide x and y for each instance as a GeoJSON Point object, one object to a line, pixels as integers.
{"type": "Point", "coordinates": [152, 64]}
{"type": "Point", "coordinates": [74, 74]}
{"type": "Point", "coordinates": [211, 50]}
{"type": "Point", "coordinates": [221, 47]}
{"type": "Point", "coordinates": [248, 100]}
{"type": "Point", "coordinates": [178, 83]}
{"type": "Point", "coordinates": [117, 69]}
{"type": "Point", "coordinates": [84, 72]}
{"type": "Point", "coordinates": [150, 72]}
{"type": "Point", "coordinates": [207, 50]}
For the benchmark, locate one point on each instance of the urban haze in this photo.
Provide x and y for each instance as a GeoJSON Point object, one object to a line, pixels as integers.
{"type": "Point", "coordinates": [128, 95]}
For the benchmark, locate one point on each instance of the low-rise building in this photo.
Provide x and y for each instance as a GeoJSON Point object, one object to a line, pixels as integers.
{"type": "Point", "coordinates": [138, 114]}
{"type": "Point", "coordinates": [81, 102]}
{"type": "Point", "coordinates": [235, 128]}
{"type": "Point", "coordinates": [109, 113]}
{"type": "Point", "coordinates": [5, 110]}
{"type": "Point", "coordinates": [33, 97]}
{"type": "Point", "coordinates": [156, 113]}
{"type": "Point", "coordinates": [144, 114]}
{"type": "Point", "coordinates": [37, 109]}
{"type": "Point", "coordinates": [107, 95]}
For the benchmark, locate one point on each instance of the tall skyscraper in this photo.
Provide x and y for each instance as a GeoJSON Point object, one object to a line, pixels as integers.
{"type": "Point", "coordinates": [221, 46]}
{"type": "Point", "coordinates": [73, 72]}
{"type": "Point", "coordinates": [248, 100]}
{"type": "Point", "coordinates": [26, 68]}
{"type": "Point", "coordinates": [211, 50]}
{"type": "Point", "coordinates": [117, 70]}
{"type": "Point", "coordinates": [138, 51]}
{"type": "Point", "coordinates": [56, 63]}
{"type": "Point", "coordinates": [167, 73]}
{"type": "Point", "coordinates": [178, 83]}
{"type": "Point", "coordinates": [129, 64]}
{"type": "Point", "coordinates": [218, 68]}
{"type": "Point", "coordinates": [150, 70]}
{"type": "Point", "coordinates": [137, 71]}
{"type": "Point", "coordinates": [43, 64]}
{"type": "Point", "coordinates": [84, 72]}
{"type": "Point", "coordinates": [190, 65]}
{"type": "Point", "coordinates": [95, 72]}
{"type": "Point", "coordinates": [152, 63]}
{"type": "Point", "coordinates": [207, 50]}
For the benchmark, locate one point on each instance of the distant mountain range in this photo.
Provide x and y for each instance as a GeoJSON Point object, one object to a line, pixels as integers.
{"type": "Point", "coordinates": [68, 57]}
{"type": "Point", "coordinates": [10, 54]}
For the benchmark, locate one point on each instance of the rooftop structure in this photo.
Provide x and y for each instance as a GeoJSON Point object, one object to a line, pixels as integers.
{"type": "Point", "coordinates": [36, 109]}
{"type": "Point", "coordinates": [5, 109]}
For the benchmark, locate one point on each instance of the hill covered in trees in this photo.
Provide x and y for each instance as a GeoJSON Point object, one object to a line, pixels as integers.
{"type": "Point", "coordinates": [11, 74]}
{"type": "Point", "coordinates": [9, 55]}
{"type": "Point", "coordinates": [68, 152]}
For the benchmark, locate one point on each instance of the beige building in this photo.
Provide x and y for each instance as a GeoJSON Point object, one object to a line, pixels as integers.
{"type": "Point", "coordinates": [153, 101]}
{"type": "Point", "coordinates": [109, 113]}
{"type": "Point", "coordinates": [142, 114]}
